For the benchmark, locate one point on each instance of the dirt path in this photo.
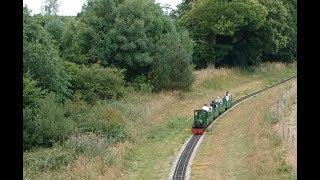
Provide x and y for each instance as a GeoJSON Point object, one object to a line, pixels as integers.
{"type": "Point", "coordinates": [241, 145]}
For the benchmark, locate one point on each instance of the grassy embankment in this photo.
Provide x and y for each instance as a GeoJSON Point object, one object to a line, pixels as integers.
{"type": "Point", "coordinates": [251, 148]}
{"type": "Point", "coordinates": [283, 117]}
{"type": "Point", "coordinates": [157, 125]}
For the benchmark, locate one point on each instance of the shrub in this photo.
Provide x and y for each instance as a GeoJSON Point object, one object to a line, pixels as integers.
{"type": "Point", "coordinates": [95, 82]}
{"type": "Point", "coordinates": [47, 124]}
{"type": "Point", "coordinates": [142, 84]}
{"type": "Point", "coordinates": [103, 120]}
{"type": "Point", "coordinates": [47, 159]}
{"type": "Point", "coordinates": [76, 107]}
{"type": "Point", "coordinates": [89, 143]}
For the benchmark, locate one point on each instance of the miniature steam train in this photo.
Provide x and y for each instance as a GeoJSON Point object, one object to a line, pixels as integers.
{"type": "Point", "coordinates": [203, 118]}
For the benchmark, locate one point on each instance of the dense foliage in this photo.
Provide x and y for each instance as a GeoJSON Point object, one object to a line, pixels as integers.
{"type": "Point", "coordinates": [95, 82]}
{"type": "Point", "coordinates": [124, 34]}
{"type": "Point", "coordinates": [41, 57]}
{"type": "Point", "coordinates": [46, 124]}
{"type": "Point", "coordinates": [171, 67]}
{"type": "Point", "coordinates": [240, 32]}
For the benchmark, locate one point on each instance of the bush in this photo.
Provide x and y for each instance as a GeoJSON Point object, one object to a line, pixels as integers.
{"type": "Point", "coordinates": [103, 120]}
{"type": "Point", "coordinates": [88, 143]}
{"type": "Point", "coordinates": [142, 84]}
{"type": "Point", "coordinates": [47, 124]}
{"type": "Point", "coordinates": [95, 82]}
{"type": "Point", "coordinates": [41, 160]}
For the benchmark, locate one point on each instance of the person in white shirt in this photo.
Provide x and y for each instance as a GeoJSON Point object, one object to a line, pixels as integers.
{"type": "Point", "coordinates": [227, 95]}
{"type": "Point", "coordinates": [206, 108]}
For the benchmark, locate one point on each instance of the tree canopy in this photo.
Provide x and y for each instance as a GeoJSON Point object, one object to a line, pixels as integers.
{"type": "Point", "coordinates": [41, 57]}
{"type": "Point", "coordinates": [237, 32]}
{"type": "Point", "coordinates": [121, 34]}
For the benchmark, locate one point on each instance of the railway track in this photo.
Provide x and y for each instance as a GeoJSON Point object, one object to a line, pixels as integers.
{"type": "Point", "coordinates": [181, 166]}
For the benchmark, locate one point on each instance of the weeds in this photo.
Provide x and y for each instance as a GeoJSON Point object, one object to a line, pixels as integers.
{"type": "Point", "coordinates": [276, 118]}
{"type": "Point", "coordinates": [48, 159]}
{"type": "Point", "coordinates": [89, 144]}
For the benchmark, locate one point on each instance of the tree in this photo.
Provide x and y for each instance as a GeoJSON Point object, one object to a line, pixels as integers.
{"type": "Point", "coordinates": [32, 93]}
{"type": "Point", "coordinates": [41, 58]}
{"type": "Point", "coordinates": [55, 27]}
{"type": "Point", "coordinates": [71, 45]}
{"type": "Point", "coordinates": [136, 31]}
{"type": "Point", "coordinates": [289, 52]}
{"type": "Point", "coordinates": [172, 68]}
{"type": "Point", "coordinates": [124, 34]}
{"type": "Point", "coordinates": [236, 32]}
{"type": "Point", "coordinates": [51, 7]}
{"type": "Point", "coordinates": [182, 8]}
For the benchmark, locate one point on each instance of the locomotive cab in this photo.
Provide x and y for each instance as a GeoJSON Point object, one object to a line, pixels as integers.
{"type": "Point", "coordinates": [200, 118]}
{"type": "Point", "coordinates": [199, 121]}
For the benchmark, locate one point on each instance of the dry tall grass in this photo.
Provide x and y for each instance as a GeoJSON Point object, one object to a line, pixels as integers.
{"type": "Point", "coordinates": [285, 120]}
{"type": "Point", "coordinates": [212, 72]}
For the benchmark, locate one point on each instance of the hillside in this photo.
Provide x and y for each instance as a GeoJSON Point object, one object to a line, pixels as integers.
{"type": "Point", "coordinates": [158, 124]}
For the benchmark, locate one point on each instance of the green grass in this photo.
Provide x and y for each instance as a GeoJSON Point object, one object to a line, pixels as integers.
{"type": "Point", "coordinates": [162, 143]}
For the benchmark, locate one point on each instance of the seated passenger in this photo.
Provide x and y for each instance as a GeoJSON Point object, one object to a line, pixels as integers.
{"type": "Point", "coordinates": [227, 96]}
{"type": "Point", "coordinates": [213, 104]}
{"type": "Point", "coordinates": [206, 108]}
